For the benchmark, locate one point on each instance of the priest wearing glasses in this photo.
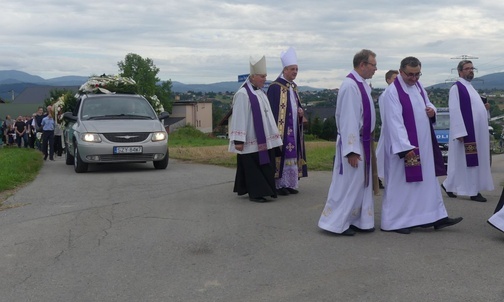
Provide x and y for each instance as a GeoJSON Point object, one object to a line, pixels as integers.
{"type": "Point", "coordinates": [349, 206]}
{"type": "Point", "coordinates": [412, 159]}
{"type": "Point", "coordinates": [469, 160]}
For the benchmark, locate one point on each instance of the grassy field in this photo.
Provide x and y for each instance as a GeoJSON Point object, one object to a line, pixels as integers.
{"type": "Point", "coordinates": [18, 166]}
{"type": "Point", "coordinates": [191, 145]}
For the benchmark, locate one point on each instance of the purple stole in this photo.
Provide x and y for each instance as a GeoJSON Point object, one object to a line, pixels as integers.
{"type": "Point", "coordinates": [413, 167]}
{"type": "Point", "coordinates": [366, 128]}
{"type": "Point", "coordinates": [258, 126]}
{"type": "Point", "coordinates": [471, 151]}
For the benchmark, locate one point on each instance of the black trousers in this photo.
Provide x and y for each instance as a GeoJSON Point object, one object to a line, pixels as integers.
{"type": "Point", "coordinates": [48, 141]}
{"type": "Point", "coordinates": [58, 146]}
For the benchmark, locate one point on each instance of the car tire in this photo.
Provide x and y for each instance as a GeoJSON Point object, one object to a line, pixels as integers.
{"type": "Point", "coordinates": [162, 164]}
{"type": "Point", "coordinates": [79, 165]}
{"type": "Point", "coordinates": [69, 159]}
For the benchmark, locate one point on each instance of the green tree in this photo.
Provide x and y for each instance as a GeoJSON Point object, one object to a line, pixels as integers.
{"type": "Point", "coordinates": [328, 131]}
{"type": "Point", "coordinates": [316, 127]}
{"type": "Point", "coordinates": [69, 96]}
{"type": "Point", "coordinates": [165, 95]}
{"type": "Point", "coordinates": [143, 71]}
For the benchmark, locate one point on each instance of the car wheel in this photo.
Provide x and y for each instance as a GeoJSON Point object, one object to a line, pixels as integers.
{"type": "Point", "coordinates": [79, 165]}
{"type": "Point", "coordinates": [69, 159]}
{"type": "Point", "coordinates": [162, 164]}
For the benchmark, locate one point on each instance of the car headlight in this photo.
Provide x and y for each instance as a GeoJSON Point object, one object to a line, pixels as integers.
{"type": "Point", "coordinates": [91, 137]}
{"type": "Point", "coordinates": [158, 136]}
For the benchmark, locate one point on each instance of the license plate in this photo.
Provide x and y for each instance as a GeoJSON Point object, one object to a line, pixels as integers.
{"type": "Point", "coordinates": [128, 150]}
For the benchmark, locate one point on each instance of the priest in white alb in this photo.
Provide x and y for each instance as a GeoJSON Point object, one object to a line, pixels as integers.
{"type": "Point", "coordinates": [350, 207]}
{"type": "Point", "coordinates": [412, 159]}
{"type": "Point", "coordinates": [469, 146]}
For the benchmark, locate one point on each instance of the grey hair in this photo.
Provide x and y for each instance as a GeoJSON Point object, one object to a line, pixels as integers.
{"type": "Point", "coordinates": [362, 57]}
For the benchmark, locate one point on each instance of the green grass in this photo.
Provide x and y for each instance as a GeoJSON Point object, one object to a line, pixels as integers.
{"type": "Point", "coordinates": [18, 166]}
{"type": "Point", "coordinates": [189, 144]}
{"type": "Point", "coordinates": [189, 136]}
{"type": "Point", "coordinates": [319, 156]}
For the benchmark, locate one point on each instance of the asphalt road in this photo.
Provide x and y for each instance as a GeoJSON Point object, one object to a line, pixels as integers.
{"type": "Point", "coordinates": [132, 233]}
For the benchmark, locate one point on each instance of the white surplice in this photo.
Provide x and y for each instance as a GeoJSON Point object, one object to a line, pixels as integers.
{"type": "Point", "coordinates": [407, 204]}
{"type": "Point", "coordinates": [461, 179]}
{"type": "Point", "coordinates": [380, 152]}
{"type": "Point", "coordinates": [241, 124]}
{"type": "Point", "coordinates": [497, 219]}
{"type": "Point", "coordinates": [349, 202]}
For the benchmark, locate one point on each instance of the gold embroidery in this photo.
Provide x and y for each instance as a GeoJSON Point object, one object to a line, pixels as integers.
{"type": "Point", "coordinates": [412, 162]}
{"type": "Point", "coordinates": [470, 148]}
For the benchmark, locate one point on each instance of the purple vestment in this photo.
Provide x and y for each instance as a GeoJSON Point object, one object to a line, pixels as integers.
{"type": "Point", "coordinates": [471, 150]}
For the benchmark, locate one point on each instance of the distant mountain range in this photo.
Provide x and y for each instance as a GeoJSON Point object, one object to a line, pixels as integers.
{"type": "Point", "coordinates": [486, 82]}
{"type": "Point", "coordinates": [14, 82]}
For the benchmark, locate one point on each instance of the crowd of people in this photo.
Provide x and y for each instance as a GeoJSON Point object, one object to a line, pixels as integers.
{"type": "Point", "coordinates": [38, 131]}
{"type": "Point", "coordinates": [266, 132]}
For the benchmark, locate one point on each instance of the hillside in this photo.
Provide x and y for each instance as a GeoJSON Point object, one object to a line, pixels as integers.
{"type": "Point", "coordinates": [14, 82]}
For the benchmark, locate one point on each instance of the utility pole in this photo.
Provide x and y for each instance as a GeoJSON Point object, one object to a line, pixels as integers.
{"type": "Point", "coordinates": [465, 57]}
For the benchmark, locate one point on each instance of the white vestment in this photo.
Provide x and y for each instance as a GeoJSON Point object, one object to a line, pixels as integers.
{"type": "Point", "coordinates": [349, 202]}
{"type": "Point", "coordinates": [497, 219]}
{"type": "Point", "coordinates": [241, 124]}
{"type": "Point", "coordinates": [407, 204]}
{"type": "Point", "coordinates": [462, 179]}
{"type": "Point", "coordinates": [380, 152]}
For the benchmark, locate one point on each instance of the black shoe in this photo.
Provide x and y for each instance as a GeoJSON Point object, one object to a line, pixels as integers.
{"type": "Point", "coordinates": [45, 157]}
{"type": "Point", "coordinates": [494, 226]}
{"type": "Point", "coordinates": [348, 232]}
{"type": "Point", "coordinates": [404, 231]}
{"type": "Point", "coordinates": [292, 191]}
{"type": "Point", "coordinates": [353, 227]}
{"type": "Point", "coordinates": [478, 198]}
{"type": "Point", "coordinates": [450, 194]}
{"type": "Point", "coordinates": [258, 199]}
{"type": "Point", "coordinates": [283, 191]}
{"type": "Point", "coordinates": [446, 222]}
{"type": "Point", "coordinates": [380, 184]}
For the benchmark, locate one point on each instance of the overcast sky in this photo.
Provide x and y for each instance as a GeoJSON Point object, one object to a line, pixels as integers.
{"type": "Point", "coordinates": [208, 41]}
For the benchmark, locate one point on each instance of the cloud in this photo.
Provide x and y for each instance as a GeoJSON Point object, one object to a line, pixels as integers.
{"type": "Point", "coordinates": [196, 41]}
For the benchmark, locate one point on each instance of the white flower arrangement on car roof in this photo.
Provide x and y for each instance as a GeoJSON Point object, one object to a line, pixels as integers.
{"type": "Point", "coordinates": [117, 84]}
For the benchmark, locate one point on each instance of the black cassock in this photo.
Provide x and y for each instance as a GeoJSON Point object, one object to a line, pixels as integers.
{"type": "Point", "coordinates": [255, 179]}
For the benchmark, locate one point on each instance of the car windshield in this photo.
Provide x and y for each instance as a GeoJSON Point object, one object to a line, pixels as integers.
{"type": "Point", "coordinates": [442, 122]}
{"type": "Point", "coordinates": [117, 108]}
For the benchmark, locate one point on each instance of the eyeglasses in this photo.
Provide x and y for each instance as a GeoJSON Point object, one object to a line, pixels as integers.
{"type": "Point", "coordinates": [412, 75]}
{"type": "Point", "coordinates": [374, 65]}
{"type": "Point", "coordinates": [470, 69]}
